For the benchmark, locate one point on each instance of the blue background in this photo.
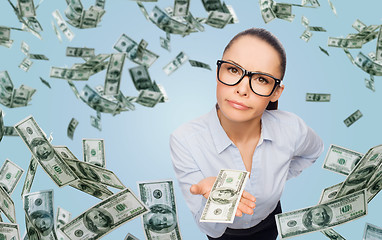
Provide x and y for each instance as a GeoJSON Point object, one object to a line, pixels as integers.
{"type": "Point", "coordinates": [137, 141]}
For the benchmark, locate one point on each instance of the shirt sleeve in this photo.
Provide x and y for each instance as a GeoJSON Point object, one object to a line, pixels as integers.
{"type": "Point", "coordinates": [188, 173]}
{"type": "Point", "coordinates": [308, 148]}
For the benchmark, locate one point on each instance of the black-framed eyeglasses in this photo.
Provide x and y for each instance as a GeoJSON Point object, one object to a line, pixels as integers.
{"type": "Point", "coordinates": [261, 84]}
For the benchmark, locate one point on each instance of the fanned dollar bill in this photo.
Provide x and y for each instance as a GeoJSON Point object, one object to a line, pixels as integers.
{"type": "Point", "coordinates": [38, 207]}
{"type": "Point", "coordinates": [353, 118]}
{"type": "Point", "coordinates": [80, 52]}
{"type": "Point", "coordinates": [317, 97]}
{"type": "Point", "coordinates": [42, 150]}
{"type": "Point", "coordinates": [96, 122]}
{"type": "Point", "coordinates": [25, 64]}
{"type": "Point", "coordinates": [148, 98]}
{"type": "Point", "coordinates": [141, 77]}
{"type": "Point", "coordinates": [98, 175]}
{"type": "Point", "coordinates": [70, 74]}
{"type": "Point", "coordinates": [341, 160]}
{"type": "Point", "coordinates": [95, 190]}
{"type": "Point", "coordinates": [323, 216]}
{"type": "Point", "coordinates": [199, 64]}
{"type": "Point", "coordinates": [111, 213]}
{"type": "Point", "coordinates": [225, 196]}
{"type": "Point", "coordinates": [63, 217]}
{"type": "Point", "coordinates": [329, 193]}
{"type": "Point", "coordinates": [179, 60]}
{"type": "Point", "coordinates": [72, 127]}
{"type": "Point", "coordinates": [10, 175]}
{"type": "Point", "coordinates": [7, 206]}
{"type": "Point", "coordinates": [94, 152]}
{"type": "Point", "coordinates": [162, 220]}
{"type": "Point", "coordinates": [114, 73]}
{"type": "Point", "coordinates": [362, 173]}
{"type": "Point", "coordinates": [62, 25]}
{"type": "Point", "coordinates": [372, 232]}
{"type": "Point", "coordinates": [29, 176]}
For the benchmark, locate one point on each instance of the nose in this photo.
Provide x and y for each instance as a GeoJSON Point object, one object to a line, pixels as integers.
{"type": "Point", "coordinates": [242, 88]}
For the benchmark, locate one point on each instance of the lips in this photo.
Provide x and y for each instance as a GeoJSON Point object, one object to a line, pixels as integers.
{"type": "Point", "coordinates": [238, 105]}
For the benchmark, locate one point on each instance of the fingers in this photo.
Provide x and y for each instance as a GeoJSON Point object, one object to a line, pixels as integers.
{"type": "Point", "coordinates": [248, 203]}
{"type": "Point", "coordinates": [195, 189]}
{"type": "Point", "coordinates": [238, 213]}
{"type": "Point", "coordinates": [248, 196]}
{"type": "Point", "coordinates": [245, 209]}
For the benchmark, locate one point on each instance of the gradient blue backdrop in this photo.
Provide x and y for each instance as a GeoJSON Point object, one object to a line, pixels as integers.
{"type": "Point", "coordinates": [137, 141]}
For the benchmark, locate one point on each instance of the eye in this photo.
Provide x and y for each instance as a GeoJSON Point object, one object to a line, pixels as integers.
{"type": "Point", "coordinates": [262, 80]}
{"type": "Point", "coordinates": [233, 70]}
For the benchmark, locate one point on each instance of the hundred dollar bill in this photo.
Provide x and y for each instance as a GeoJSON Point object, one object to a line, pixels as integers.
{"type": "Point", "coordinates": [7, 206]}
{"type": "Point", "coordinates": [113, 212]}
{"type": "Point", "coordinates": [212, 5]}
{"type": "Point", "coordinates": [46, 83]}
{"type": "Point", "coordinates": [329, 193]}
{"type": "Point", "coordinates": [99, 67]}
{"type": "Point", "coordinates": [130, 47]}
{"type": "Point", "coordinates": [180, 59]}
{"type": "Point", "coordinates": [306, 35]}
{"type": "Point", "coordinates": [42, 150]}
{"type": "Point", "coordinates": [372, 232]}
{"type": "Point", "coordinates": [369, 83]}
{"type": "Point", "coordinates": [363, 172]}
{"type": "Point", "coordinates": [322, 216]}
{"type": "Point", "coordinates": [344, 42]}
{"type": "Point", "coordinates": [331, 234]}
{"type": "Point", "coordinates": [374, 185]}
{"type": "Point", "coordinates": [9, 231]}
{"type": "Point", "coordinates": [358, 25]}
{"type": "Point", "coordinates": [114, 73]}
{"type": "Point", "coordinates": [94, 61]}
{"type": "Point", "coordinates": [165, 43]}
{"type": "Point", "coordinates": [379, 45]}
{"type": "Point", "coordinates": [181, 7]}
{"type": "Point", "coordinates": [25, 64]}
{"type": "Point", "coordinates": [24, 48]}
{"type": "Point", "coordinates": [266, 10]}
{"type": "Point", "coordinates": [141, 77]}
{"type": "Point", "coordinates": [10, 131]}
{"type": "Point", "coordinates": [79, 52]}
{"type": "Point", "coordinates": [160, 198]}
{"type": "Point", "coordinates": [353, 118]}
{"type": "Point", "coordinates": [316, 29]}
{"type": "Point", "coordinates": [92, 173]}
{"type": "Point", "coordinates": [218, 19]}
{"type": "Point", "coordinates": [38, 56]}
{"type": "Point", "coordinates": [5, 33]}
{"type": "Point", "coordinates": [199, 64]}
{"type": "Point", "coordinates": [10, 175]}
{"type": "Point", "coordinates": [94, 151]}
{"type": "Point", "coordinates": [148, 98]}
{"type": "Point", "coordinates": [96, 190]}
{"type": "Point", "coordinates": [96, 101]}
{"type": "Point", "coordinates": [225, 196]}
{"type": "Point", "coordinates": [70, 74]}
{"type": "Point", "coordinates": [130, 236]}
{"type": "Point", "coordinates": [26, 8]}
{"type": "Point", "coordinates": [369, 66]}
{"type": "Point", "coordinates": [58, 34]}
{"type": "Point", "coordinates": [72, 127]}
{"type": "Point", "coordinates": [332, 7]}
{"type": "Point", "coordinates": [63, 217]}
{"type": "Point", "coordinates": [1, 125]}
{"type": "Point", "coordinates": [38, 207]}
{"type": "Point", "coordinates": [143, 10]}
{"type": "Point", "coordinates": [141, 47]}
{"type": "Point", "coordinates": [62, 25]}
{"type": "Point", "coordinates": [323, 50]}
{"type": "Point", "coordinates": [96, 122]}
{"type": "Point", "coordinates": [74, 88]}
{"type": "Point", "coordinates": [317, 97]}
{"type": "Point", "coordinates": [29, 176]}
{"type": "Point", "coordinates": [341, 160]}
{"type": "Point", "coordinates": [167, 22]}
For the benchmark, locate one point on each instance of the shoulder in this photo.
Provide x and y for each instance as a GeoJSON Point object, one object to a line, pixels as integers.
{"type": "Point", "coordinates": [282, 118]}
{"type": "Point", "coordinates": [193, 128]}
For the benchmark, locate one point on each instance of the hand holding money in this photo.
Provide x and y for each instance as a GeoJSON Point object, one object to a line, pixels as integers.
{"type": "Point", "coordinates": [246, 204]}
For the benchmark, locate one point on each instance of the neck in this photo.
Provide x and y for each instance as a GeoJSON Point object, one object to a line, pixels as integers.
{"type": "Point", "coordinates": [240, 132]}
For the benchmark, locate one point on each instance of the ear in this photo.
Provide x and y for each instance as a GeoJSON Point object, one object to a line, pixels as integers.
{"type": "Point", "coordinates": [277, 93]}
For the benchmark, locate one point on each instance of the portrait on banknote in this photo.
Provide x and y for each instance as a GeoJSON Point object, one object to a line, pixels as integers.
{"type": "Point", "coordinates": [317, 217]}
{"type": "Point", "coordinates": [42, 148]}
{"type": "Point", "coordinates": [98, 220]}
{"type": "Point", "coordinates": [42, 221]}
{"type": "Point", "coordinates": [161, 219]}
{"type": "Point", "coordinates": [376, 187]}
{"type": "Point", "coordinates": [88, 172]}
{"type": "Point", "coordinates": [360, 175]}
{"type": "Point", "coordinates": [223, 195]}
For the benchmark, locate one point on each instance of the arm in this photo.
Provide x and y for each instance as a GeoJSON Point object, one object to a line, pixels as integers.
{"type": "Point", "coordinates": [188, 173]}
{"type": "Point", "coordinates": [308, 148]}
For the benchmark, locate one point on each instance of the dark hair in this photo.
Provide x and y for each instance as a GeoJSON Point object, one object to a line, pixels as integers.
{"type": "Point", "coordinates": [272, 40]}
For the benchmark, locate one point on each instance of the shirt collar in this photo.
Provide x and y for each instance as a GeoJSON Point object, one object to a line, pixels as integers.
{"type": "Point", "coordinates": [220, 138]}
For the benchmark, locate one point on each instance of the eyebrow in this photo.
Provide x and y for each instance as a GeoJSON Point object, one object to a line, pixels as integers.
{"type": "Point", "coordinates": [249, 71]}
